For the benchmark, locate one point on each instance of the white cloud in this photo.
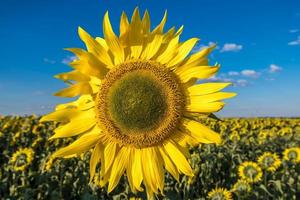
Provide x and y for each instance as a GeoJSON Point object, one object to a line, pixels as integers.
{"type": "Point", "coordinates": [295, 42]}
{"type": "Point", "coordinates": [68, 59]}
{"type": "Point", "coordinates": [231, 47]}
{"type": "Point", "coordinates": [47, 60]}
{"type": "Point", "coordinates": [294, 31]}
{"type": "Point", "coordinates": [220, 79]}
{"type": "Point", "coordinates": [233, 73]}
{"type": "Point", "coordinates": [199, 47]}
{"type": "Point", "coordinates": [274, 68]}
{"type": "Point", "coordinates": [250, 73]}
{"type": "Point", "coordinates": [237, 83]}
{"type": "Point", "coordinates": [241, 83]}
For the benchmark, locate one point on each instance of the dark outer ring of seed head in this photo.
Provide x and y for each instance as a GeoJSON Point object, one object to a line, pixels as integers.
{"type": "Point", "coordinates": [175, 105]}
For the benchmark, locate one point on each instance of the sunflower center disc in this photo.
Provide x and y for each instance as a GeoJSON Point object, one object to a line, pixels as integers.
{"type": "Point", "coordinates": [139, 103]}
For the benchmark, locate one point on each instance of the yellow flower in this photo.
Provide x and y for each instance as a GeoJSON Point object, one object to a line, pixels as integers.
{"type": "Point", "coordinates": [262, 136]}
{"type": "Point", "coordinates": [21, 159]}
{"type": "Point", "coordinates": [292, 154]}
{"type": "Point", "coordinates": [138, 103]}
{"type": "Point", "coordinates": [269, 161]}
{"type": "Point", "coordinates": [250, 172]}
{"type": "Point", "coordinates": [234, 136]}
{"type": "Point", "coordinates": [241, 188]}
{"type": "Point", "coordinates": [220, 194]}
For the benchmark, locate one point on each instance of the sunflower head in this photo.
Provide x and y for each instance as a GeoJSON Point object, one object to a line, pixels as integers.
{"type": "Point", "coordinates": [138, 103]}
{"type": "Point", "coordinates": [292, 154]}
{"type": "Point", "coordinates": [250, 172]}
{"type": "Point", "coordinates": [269, 161]}
{"type": "Point", "coordinates": [220, 194]}
{"type": "Point", "coordinates": [21, 159]}
{"type": "Point", "coordinates": [241, 188]}
{"type": "Point", "coordinates": [234, 136]}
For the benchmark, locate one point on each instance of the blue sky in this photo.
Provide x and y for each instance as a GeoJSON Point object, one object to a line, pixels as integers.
{"type": "Point", "coordinates": [258, 48]}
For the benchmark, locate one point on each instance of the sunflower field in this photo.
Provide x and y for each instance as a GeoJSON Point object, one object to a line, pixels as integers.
{"type": "Point", "coordinates": [259, 158]}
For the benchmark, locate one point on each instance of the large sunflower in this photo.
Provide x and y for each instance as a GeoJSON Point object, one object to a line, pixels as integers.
{"type": "Point", "coordinates": [139, 103]}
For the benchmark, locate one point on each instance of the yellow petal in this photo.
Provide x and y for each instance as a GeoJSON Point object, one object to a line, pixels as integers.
{"type": "Point", "coordinates": [64, 115]}
{"type": "Point", "coordinates": [183, 50]}
{"type": "Point", "coordinates": [177, 156]}
{"type": "Point", "coordinates": [146, 23]}
{"type": "Point", "coordinates": [82, 144]}
{"type": "Point", "coordinates": [169, 34]}
{"type": "Point", "coordinates": [124, 24]}
{"type": "Point", "coordinates": [136, 22]}
{"type": "Point", "coordinates": [104, 178]}
{"type": "Point", "coordinates": [200, 132]}
{"type": "Point", "coordinates": [74, 75]}
{"type": "Point", "coordinates": [88, 63]}
{"type": "Point", "coordinates": [95, 47]}
{"type": "Point", "coordinates": [159, 28]}
{"type": "Point", "coordinates": [130, 173]}
{"type": "Point", "coordinates": [84, 102]}
{"type": "Point", "coordinates": [80, 124]}
{"type": "Point", "coordinates": [196, 59]}
{"type": "Point", "coordinates": [102, 42]}
{"type": "Point", "coordinates": [179, 31]}
{"type": "Point", "coordinates": [112, 41]}
{"type": "Point", "coordinates": [137, 169]}
{"type": "Point", "coordinates": [211, 97]}
{"type": "Point", "coordinates": [187, 140]}
{"type": "Point", "coordinates": [75, 90]}
{"type": "Point", "coordinates": [169, 52]}
{"type": "Point", "coordinates": [206, 88]}
{"type": "Point", "coordinates": [135, 51]}
{"type": "Point", "coordinates": [136, 35]}
{"type": "Point", "coordinates": [95, 159]}
{"type": "Point", "coordinates": [199, 72]}
{"type": "Point", "coordinates": [169, 165]}
{"type": "Point", "coordinates": [109, 155]}
{"type": "Point", "coordinates": [118, 168]}
{"type": "Point", "coordinates": [152, 169]}
{"type": "Point", "coordinates": [204, 107]}
{"type": "Point", "coordinates": [152, 47]}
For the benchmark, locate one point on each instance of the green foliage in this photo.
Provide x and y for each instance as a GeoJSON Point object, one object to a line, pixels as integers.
{"type": "Point", "coordinates": [214, 166]}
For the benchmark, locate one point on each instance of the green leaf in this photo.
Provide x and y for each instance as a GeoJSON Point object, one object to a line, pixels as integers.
{"type": "Point", "coordinates": [263, 187]}
{"type": "Point", "coordinates": [277, 184]}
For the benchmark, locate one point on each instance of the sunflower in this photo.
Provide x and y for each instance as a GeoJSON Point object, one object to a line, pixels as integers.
{"type": "Point", "coordinates": [269, 161]}
{"type": "Point", "coordinates": [241, 188]}
{"type": "Point", "coordinates": [250, 172]}
{"type": "Point", "coordinates": [21, 159]}
{"type": "Point", "coordinates": [292, 154]}
{"type": "Point", "coordinates": [138, 103]}
{"type": "Point", "coordinates": [234, 136]}
{"type": "Point", "coordinates": [220, 194]}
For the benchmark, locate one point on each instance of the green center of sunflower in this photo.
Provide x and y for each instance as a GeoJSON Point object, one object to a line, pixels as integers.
{"type": "Point", "coordinates": [292, 155]}
{"type": "Point", "coordinates": [250, 172]}
{"type": "Point", "coordinates": [21, 160]}
{"type": "Point", "coordinates": [137, 102]}
{"type": "Point", "coordinates": [268, 161]}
